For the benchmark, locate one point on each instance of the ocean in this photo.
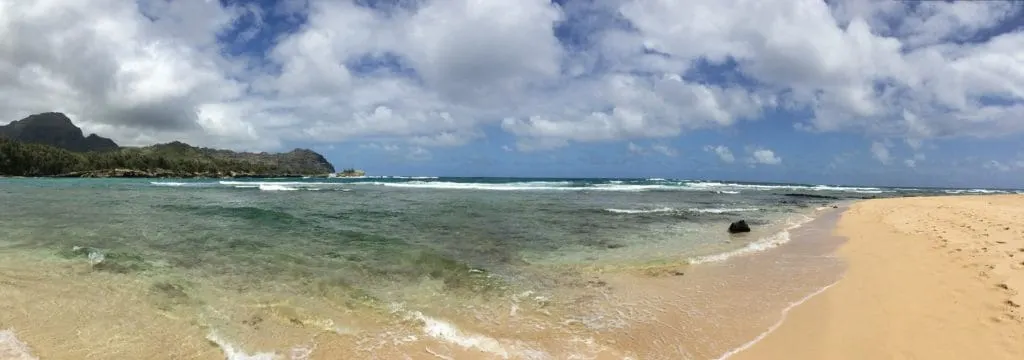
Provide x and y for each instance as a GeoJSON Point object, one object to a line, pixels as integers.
{"type": "Point", "coordinates": [408, 267]}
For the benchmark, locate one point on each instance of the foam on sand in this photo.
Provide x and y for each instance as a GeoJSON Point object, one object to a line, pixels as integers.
{"type": "Point", "coordinates": [13, 349]}
{"type": "Point", "coordinates": [231, 352]}
{"type": "Point", "coordinates": [769, 242]}
{"type": "Point", "coordinates": [449, 333]}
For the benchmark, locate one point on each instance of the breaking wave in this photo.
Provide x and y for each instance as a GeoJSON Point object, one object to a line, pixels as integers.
{"type": "Point", "coordinates": [511, 184]}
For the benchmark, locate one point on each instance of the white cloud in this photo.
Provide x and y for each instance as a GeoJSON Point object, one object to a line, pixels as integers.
{"type": "Point", "coordinates": [153, 70]}
{"type": "Point", "coordinates": [764, 156]}
{"type": "Point", "coordinates": [881, 152]}
{"type": "Point", "coordinates": [723, 152]}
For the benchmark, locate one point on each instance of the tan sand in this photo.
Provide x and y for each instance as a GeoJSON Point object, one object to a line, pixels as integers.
{"type": "Point", "coordinates": [928, 278]}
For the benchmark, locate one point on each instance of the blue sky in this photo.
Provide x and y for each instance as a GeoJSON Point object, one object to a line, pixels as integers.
{"type": "Point", "coordinates": [850, 92]}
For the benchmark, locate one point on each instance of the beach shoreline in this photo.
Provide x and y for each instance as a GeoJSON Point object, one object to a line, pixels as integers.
{"type": "Point", "coordinates": [927, 277]}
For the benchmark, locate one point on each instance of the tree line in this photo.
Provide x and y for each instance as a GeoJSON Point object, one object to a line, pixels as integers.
{"type": "Point", "coordinates": [28, 159]}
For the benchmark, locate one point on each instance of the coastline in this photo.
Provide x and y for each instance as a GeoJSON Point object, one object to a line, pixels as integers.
{"type": "Point", "coordinates": [927, 277]}
{"type": "Point", "coordinates": [613, 302]}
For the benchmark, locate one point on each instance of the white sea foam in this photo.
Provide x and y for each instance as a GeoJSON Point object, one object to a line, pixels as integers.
{"type": "Point", "coordinates": [409, 177]}
{"type": "Point", "coordinates": [769, 242]}
{"type": "Point", "coordinates": [711, 185]}
{"type": "Point", "coordinates": [785, 313]}
{"type": "Point", "coordinates": [730, 192]}
{"type": "Point", "coordinates": [448, 332]}
{"type": "Point", "coordinates": [178, 184]}
{"type": "Point", "coordinates": [282, 183]}
{"type": "Point", "coordinates": [276, 187]}
{"type": "Point", "coordinates": [975, 191]}
{"type": "Point", "coordinates": [232, 352]}
{"type": "Point", "coordinates": [11, 348]}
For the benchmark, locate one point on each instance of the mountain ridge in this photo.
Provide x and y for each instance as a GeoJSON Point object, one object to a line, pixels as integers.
{"type": "Point", "coordinates": [49, 144]}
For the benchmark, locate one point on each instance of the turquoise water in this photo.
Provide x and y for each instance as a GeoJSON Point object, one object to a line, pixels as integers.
{"type": "Point", "coordinates": [392, 229]}
{"type": "Point", "coordinates": [454, 246]}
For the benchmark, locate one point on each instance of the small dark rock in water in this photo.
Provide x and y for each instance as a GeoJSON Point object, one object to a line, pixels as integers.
{"type": "Point", "coordinates": [614, 246]}
{"type": "Point", "coordinates": [738, 227]}
{"type": "Point", "coordinates": [678, 273]}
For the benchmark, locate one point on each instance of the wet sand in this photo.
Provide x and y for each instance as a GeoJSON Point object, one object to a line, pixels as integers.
{"type": "Point", "coordinates": [64, 309]}
{"type": "Point", "coordinates": [928, 278]}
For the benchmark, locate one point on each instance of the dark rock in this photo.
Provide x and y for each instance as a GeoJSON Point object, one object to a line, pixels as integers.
{"type": "Point", "coordinates": [739, 227]}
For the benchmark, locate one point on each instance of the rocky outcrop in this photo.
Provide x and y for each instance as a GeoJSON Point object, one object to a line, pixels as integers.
{"type": "Point", "coordinates": [739, 227]}
{"type": "Point", "coordinates": [57, 130]}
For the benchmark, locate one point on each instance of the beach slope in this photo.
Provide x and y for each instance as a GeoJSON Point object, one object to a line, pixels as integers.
{"type": "Point", "coordinates": [928, 278]}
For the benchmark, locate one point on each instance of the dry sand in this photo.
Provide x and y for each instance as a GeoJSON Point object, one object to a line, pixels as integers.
{"type": "Point", "coordinates": [928, 278]}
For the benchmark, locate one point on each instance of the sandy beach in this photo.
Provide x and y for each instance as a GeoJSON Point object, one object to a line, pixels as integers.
{"type": "Point", "coordinates": [928, 278]}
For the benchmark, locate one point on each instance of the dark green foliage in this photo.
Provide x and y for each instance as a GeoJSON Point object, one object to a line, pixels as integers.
{"type": "Point", "coordinates": [164, 160]}
{"type": "Point", "coordinates": [49, 144]}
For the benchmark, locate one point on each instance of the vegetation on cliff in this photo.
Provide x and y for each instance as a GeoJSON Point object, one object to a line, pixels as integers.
{"type": "Point", "coordinates": [44, 155]}
{"type": "Point", "coordinates": [166, 160]}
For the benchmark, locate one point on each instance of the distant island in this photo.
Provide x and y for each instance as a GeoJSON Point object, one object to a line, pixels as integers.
{"type": "Point", "coordinates": [49, 144]}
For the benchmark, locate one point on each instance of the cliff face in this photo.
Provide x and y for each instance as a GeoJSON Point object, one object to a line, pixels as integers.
{"type": "Point", "coordinates": [55, 129]}
{"type": "Point", "coordinates": [50, 144]}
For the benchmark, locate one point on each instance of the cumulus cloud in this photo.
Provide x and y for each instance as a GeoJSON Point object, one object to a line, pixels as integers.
{"type": "Point", "coordinates": [438, 73]}
{"type": "Point", "coordinates": [723, 152]}
{"type": "Point", "coordinates": [764, 156]}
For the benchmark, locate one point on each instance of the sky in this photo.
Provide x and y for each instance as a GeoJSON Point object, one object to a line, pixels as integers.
{"type": "Point", "coordinates": [927, 93]}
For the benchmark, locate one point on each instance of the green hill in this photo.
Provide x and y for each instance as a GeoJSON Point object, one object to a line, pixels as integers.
{"type": "Point", "coordinates": [45, 145]}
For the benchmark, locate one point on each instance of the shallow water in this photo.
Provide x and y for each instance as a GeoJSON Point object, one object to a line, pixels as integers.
{"type": "Point", "coordinates": [396, 268]}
